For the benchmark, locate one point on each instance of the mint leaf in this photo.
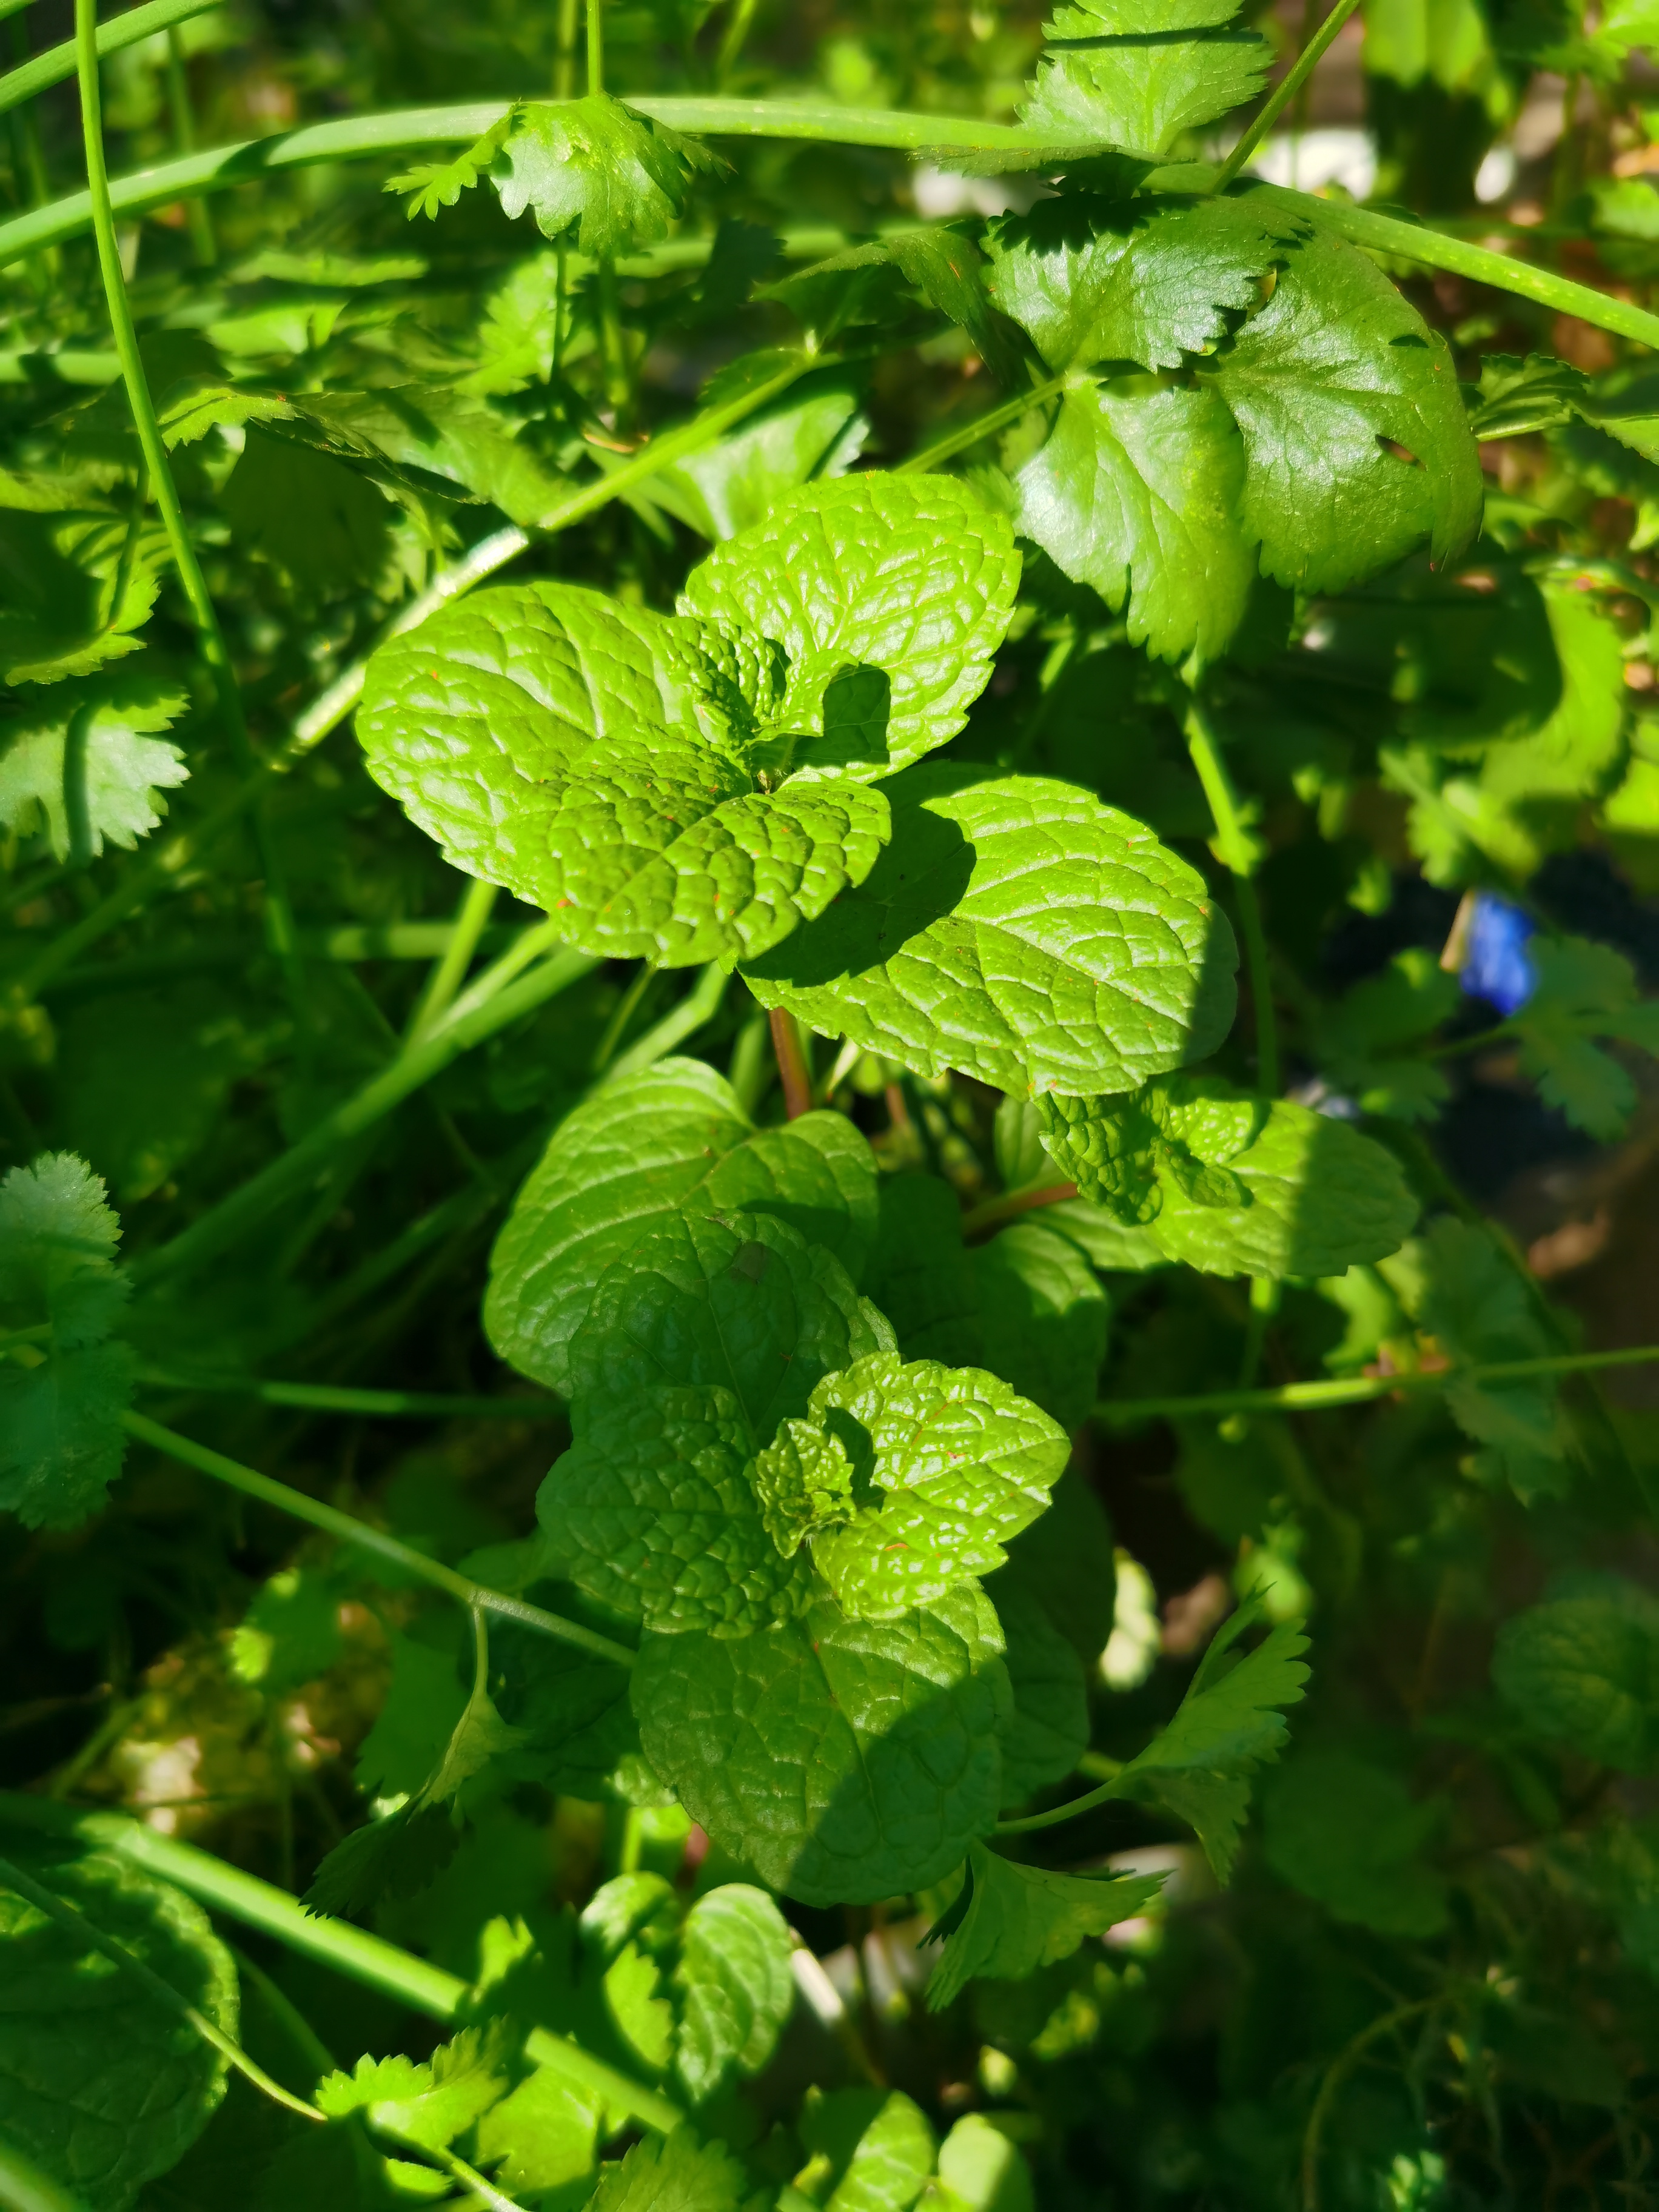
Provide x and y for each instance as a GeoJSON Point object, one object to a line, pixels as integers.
{"type": "Point", "coordinates": [911, 579]}
{"type": "Point", "coordinates": [1133, 81]}
{"type": "Point", "coordinates": [814, 433]}
{"type": "Point", "coordinates": [980, 2169]}
{"type": "Point", "coordinates": [1067, 1560]}
{"type": "Point", "coordinates": [424, 1703]}
{"type": "Point", "coordinates": [671, 1137]}
{"type": "Point", "coordinates": [1350, 1835]}
{"type": "Point", "coordinates": [740, 1301]}
{"type": "Point", "coordinates": [1044, 1315]}
{"type": "Point", "coordinates": [1018, 931]}
{"type": "Point", "coordinates": [593, 170]}
{"type": "Point", "coordinates": [62, 1388]}
{"type": "Point", "coordinates": [922, 1275]}
{"type": "Point", "coordinates": [843, 1761]}
{"type": "Point", "coordinates": [1020, 1917]}
{"type": "Point", "coordinates": [652, 1513]}
{"type": "Point", "coordinates": [426, 2102]}
{"type": "Point", "coordinates": [1584, 1671]}
{"type": "Point", "coordinates": [102, 2087]}
{"type": "Point", "coordinates": [83, 767]}
{"type": "Point", "coordinates": [570, 1711]}
{"type": "Point", "coordinates": [1048, 1731]}
{"type": "Point", "coordinates": [734, 1987]}
{"type": "Point", "coordinates": [289, 1635]}
{"type": "Point", "coordinates": [1357, 443]}
{"type": "Point", "coordinates": [873, 2146]}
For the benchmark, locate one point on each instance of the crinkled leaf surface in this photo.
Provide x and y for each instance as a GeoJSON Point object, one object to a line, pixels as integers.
{"type": "Point", "coordinates": [102, 2086]}
{"type": "Point", "coordinates": [734, 1986]}
{"type": "Point", "coordinates": [913, 577]}
{"type": "Point", "coordinates": [652, 1512]}
{"type": "Point", "coordinates": [1017, 1919]}
{"type": "Point", "coordinates": [1357, 440]}
{"type": "Point", "coordinates": [671, 1137]}
{"type": "Point", "coordinates": [1132, 80]}
{"type": "Point", "coordinates": [1018, 931]}
{"type": "Point", "coordinates": [83, 764]}
{"type": "Point", "coordinates": [738, 1300]}
{"type": "Point", "coordinates": [1584, 1671]}
{"type": "Point", "coordinates": [844, 1760]}
{"type": "Point", "coordinates": [593, 167]}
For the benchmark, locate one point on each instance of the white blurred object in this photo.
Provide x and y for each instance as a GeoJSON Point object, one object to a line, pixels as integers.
{"type": "Point", "coordinates": [1495, 177]}
{"type": "Point", "coordinates": [1137, 1632]}
{"type": "Point", "coordinates": [1307, 160]}
{"type": "Point", "coordinates": [938, 194]}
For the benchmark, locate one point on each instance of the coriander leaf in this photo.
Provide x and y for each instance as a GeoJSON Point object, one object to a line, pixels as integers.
{"type": "Point", "coordinates": [1584, 990]}
{"type": "Point", "coordinates": [101, 2085]}
{"type": "Point", "coordinates": [843, 1761]}
{"type": "Point", "coordinates": [82, 765]}
{"type": "Point", "coordinates": [1133, 80]}
{"type": "Point", "coordinates": [1365, 1041]}
{"type": "Point", "coordinates": [873, 2146]}
{"type": "Point", "coordinates": [433, 184]}
{"type": "Point", "coordinates": [74, 587]}
{"type": "Point", "coordinates": [324, 525]}
{"type": "Point", "coordinates": [594, 168]}
{"type": "Point", "coordinates": [1584, 1671]}
{"type": "Point", "coordinates": [679, 2175]}
{"type": "Point", "coordinates": [733, 1986]}
{"type": "Point", "coordinates": [1020, 1917]}
{"type": "Point", "coordinates": [599, 761]}
{"type": "Point", "coordinates": [1048, 1731]}
{"type": "Point", "coordinates": [63, 1442]}
{"type": "Point", "coordinates": [1138, 492]}
{"type": "Point", "coordinates": [430, 2102]}
{"type": "Point", "coordinates": [1357, 443]}
{"type": "Point", "coordinates": [1019, 931]}
{"type": "Point", "coordinates": [945, 1464]}
{"type": "Point", "coordinates": [1349, 1835]}
{"type": "Point", "coordinates": [911, 577]}
{"type": "Point", "coordinates": [652, 1513]}
{"type": "Point", "coordinates": [739, 1301]}
{"type": "Point", "coordinates": [289, 1635]}
{"type": "Point", "coordinates": [943, 265]}
{"type": "Point", "coordinates": [1044, 1315]}
{"type": "Point", "coordinates": [542, 2137]}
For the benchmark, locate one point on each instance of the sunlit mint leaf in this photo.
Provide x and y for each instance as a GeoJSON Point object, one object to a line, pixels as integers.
{"type": "Point", "coordinates": [913, 578]}
{"type": "Point", "coordinates": [670, 1138]}
{"type": "Point", "coordinates": [736, 1300]}
{"type": "Point", "coordinates": [82, 765]}
{"type": "Point", "coordinates": [1132, 81]}
{"type": "Point", "coordinates": [680, 2175]}
{"type": "Point", "coordinates": [101, 2087]}
{"type": "Point", "coordinates": [600, 760]}
{"type": "Point", "coordinates": [74, 587]}
{"type": "Point", "coordinates": [1350, 1835]}
{"type": "Point", "coordinates": [593, 167]}
{"type": "Point", "coordinates": [63, 1387]}
{"type": "Point", "coordinates": [843, 1761]}
{"type": "Point", "coordinates": [430, 2102]}
{"type": "Point", "coordinates": [873, 2148]}
{"type": "Point", "coordinates": [1581, 1670]}
{"type": "Point", "coordinates": [1356, 436]}
{"type": "Point", "coordinates": [652, 1513]}
{"type": "Point", "coordinates": [1017, 1919]}
{"type": "Point", "coordinates": [732, 1986]}
{"type": "Point", "coordinates": [1018, 931]}
{"type": "Point", "coordinates": [946, 1465]}
{"type": "Point", "coordinates": [1236, 1185]}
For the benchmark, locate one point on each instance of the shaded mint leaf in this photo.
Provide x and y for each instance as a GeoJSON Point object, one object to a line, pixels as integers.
{"type": "Point", "coordinates": [1132, 81]}
{"type": "Point", "coordinates": [1066, 1559]}
{"type": "Point", "coordinates": [570, 1710]}
{"type": "Point", "coordinates": [1356, 442]}
{"type": "Point", "coordinates": [732, 1985]}
{"type": "Point", "coordinates": [921, 1274]}
{"type": "Point", "coordinates": [843, 1761]}
{"type": "Point", "coordinates": [322, 524]}
{"type": "Point", "coordinates": [83, 767]}
{"type": "Point", "coordinates": [1351, 1836]}
{"type": "Point", "coordinates": [1043, 1317]}
{"type": "Point", "coordinates": [1020, 1917]}
{"type": "Point", "coordinates": [424, 1703]}
{"type": "Point", "coordinates": [739, 1301]}
{"type": "Point", "coordinates": [1584, 1671]}
{"type": "Point", "coordinates": [1018, 931]}
{"type": "Point", "coordinates": [911, 579]}
{"type": "Point", "coordinates": [1048, 1731]}
{"type": "Point", "coordinates": [652, 1513]}
{"type": "Point", "coordinates": [101, 2085]}
{"type": "Point", "coordinates": [594, 171]}
{"type": "Point", "coordinates": [428, 2102]}
{"type": "Point", "coordinates": [289, 1635]}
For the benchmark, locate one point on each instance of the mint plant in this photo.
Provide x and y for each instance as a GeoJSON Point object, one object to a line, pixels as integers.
{"type": "Point", "coordinates": [825, 1050]}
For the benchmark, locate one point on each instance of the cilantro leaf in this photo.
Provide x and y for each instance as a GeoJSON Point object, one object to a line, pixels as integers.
{"type": "Point", "coordinates": [1133, 80]}
{"type": "Point", "coordinates": [1019, 931]}
{"type": "Point", "coordinates": [101, 2085]}
{"type": "Point", "coordinates": [913, 577]}
{"type": "Point", "coordinates": [1363, 1041]}
{"type": "Point", "coordinates": [74, 592]}
{"type": "Point", "coordinates": [1584, 990]}
{"type": "Point", "coordinates": [83, 764]}
{"type": "Point", "coordinates": [1017, 1919]}
{"type": "Point", "coordinates": [943, 1464]}
{"type": "Point", "coordinates": [681, 2174]}
{"type": "Point", "coordinates": [593, 168]}
{"type": "Point", "coordinates": [1357, 443]}
{"type": "Point", "coordinates": [541, 2136]}
{"type": "Point", "coordinates": [734, 1987]}
{"type": "Point", "coordinates": [430, 2102]}
{"type": "Point", "coordinates": [1583, 1670]}
{"type": "Point", "coordinates": [843, 1761]}
{"type": "Point", "coordinates": [650, 1512]}
{"type": "Point", "coordinates": [738, 1300]}
{"type": "Point", "coordinates": [1350, 1835]}
{"type": "Point", "coordinates": [63, 1387]}
{"type": "Point", "coordinates": [434, 185]}
{"type": "Point", "coordinates": [670, 1138]}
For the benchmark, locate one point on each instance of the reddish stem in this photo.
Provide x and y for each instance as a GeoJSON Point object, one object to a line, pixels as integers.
{"type": "Point", "coordinates": [791, 1064]}
{"type": "Point", "coordinates": [996, 1211]}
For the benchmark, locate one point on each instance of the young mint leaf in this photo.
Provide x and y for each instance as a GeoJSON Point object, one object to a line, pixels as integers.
{"type": "Point", "coordinates": [1019, 931]}
{"type": "Point", "coordinates": [102, 2087]}
{"type": "Point", "coordinates": [843, 1761]}
{"type": "Point", "coordinates": [1048, 1731]}
{"type": "Point", "coordinates": [63, 1388]}
{"type": "Point", "coordinates": [1351, 1836]}
{"type": "Point", "coordinates": [1135, 74]}
{"type": "Point", "coordinates": [593, 172]}
{"type": "Point", "coordinates": [652, 1513]}
{"type": "Point", "coordinates": [1018, 1918]}
{"type": "Point", "coordinates": [681, 2174]}
{"type": "Point", "coordinates": [950, 1461]}
{"type": "Point", "coordinates": [81, 765]}
{"type": "Point", "coordinates": [1357, 440]}
{"type": "Point", "coordinates": [873, 2148]}
{"type": "Point", "coordinates": [738, 1300]}
{"type": "Point", "coordinates": [1584, 1671]}
{"type": "Point", "coordinates": [430, 2102]}
{"type": "Point", "coordinates": [734, 1987]}
{"type": "Point", "coordinates": [803, 1481]}
{"type": "Point", "coordinates": [1138, 492]}
{"type": "Point", "coordinates": [911, 579]}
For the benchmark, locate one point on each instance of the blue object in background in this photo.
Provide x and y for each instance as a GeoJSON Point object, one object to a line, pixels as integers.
{"type": "Point", "coordinates": [1496, 964]}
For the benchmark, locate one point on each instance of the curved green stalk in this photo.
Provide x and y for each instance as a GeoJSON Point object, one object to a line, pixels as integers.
{"type": "Point", "coordinates": [1238, 852]}
{"type": "Point", "coordinates": [24, 2188]}
{"type": "Point", "coordinates": [982, 426]}
{"type": "Point", "coordinates": [1286, 91]}
{"type": "Point", "coordinates": [269, 1491]}
{"type": "Point", "coordinates": [58, 63]}
{"type": "Point", "coordinates": [372, 1404]}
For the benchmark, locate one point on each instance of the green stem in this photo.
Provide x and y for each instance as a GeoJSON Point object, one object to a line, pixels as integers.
{"type": "Point", "coordinates": [269, 1491]}
{"type": "Point", "coordinates": [372, 1404]}
{"type": "Point", "coordinates": [734, 39]}
{"type": "Point", "coordinates": [1286, 91]}
{"type": "Point", "coordinates": [1237, 853]}
{"type": "Point", "coordinates": [84, 1931]}
{"type": "Point", "coordinates": [1365, 1390]}
{"type": "Point", "coordinates": [24, 2188]}
{"type": "Point", "coordinates": [983, 426]}
{"type": "Point", "coordinates": [204, 246]}
{"type": "Point", "coordinates": [626, 1007]}
{"type": "Point", "coordinates": [57, 63]}
{"type": "Point", "coordinates": [595, 47]}
{"type": "Point", "coordinates": [564, 59]}
{"type": "Point", "coordinates": [354, 1952]}
{"type": "Point", "coordinates": [1335, 2075]}
{"type": "Point", "coordinates": [471, 920]}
